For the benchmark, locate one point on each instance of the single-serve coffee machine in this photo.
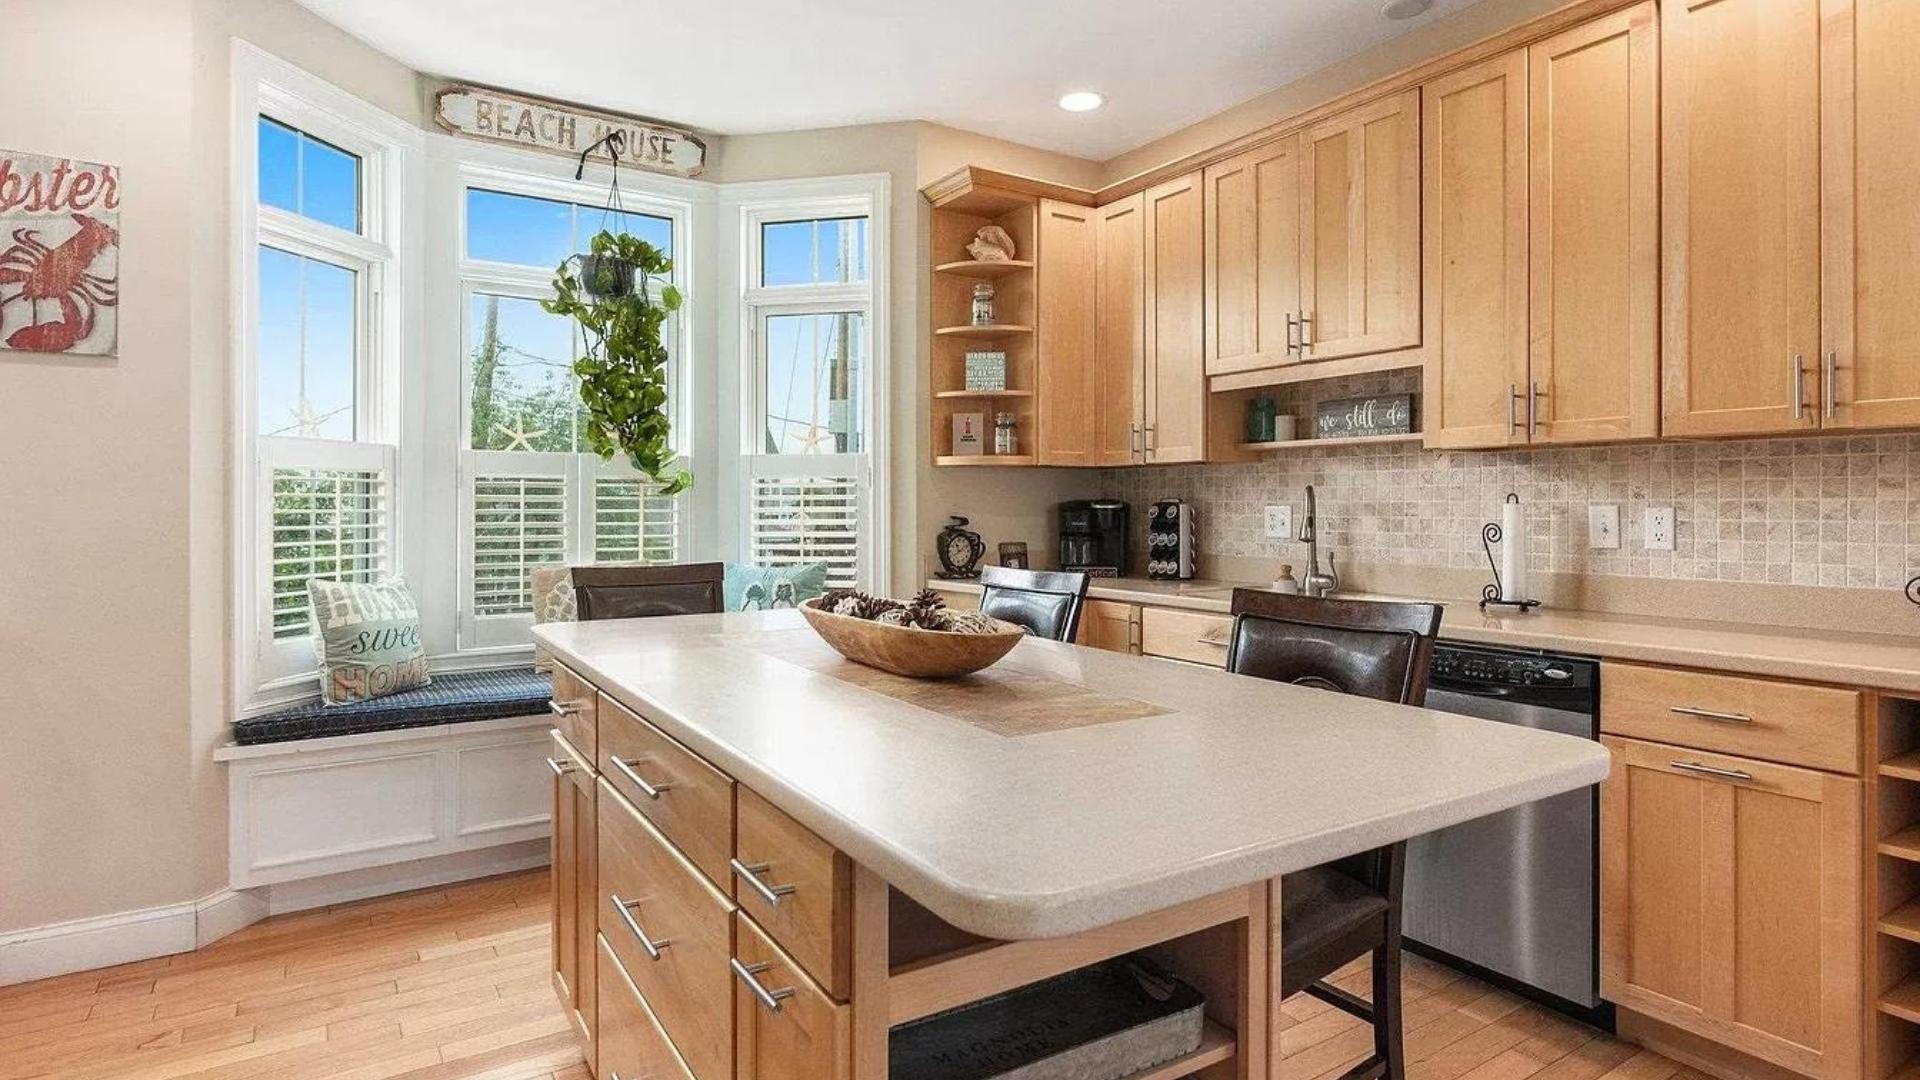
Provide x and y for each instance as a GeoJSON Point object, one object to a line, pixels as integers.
{"type": "Point", "coordinates": [1093, 536]}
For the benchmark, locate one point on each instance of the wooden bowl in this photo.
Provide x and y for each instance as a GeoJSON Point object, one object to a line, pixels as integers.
{"type": "Point", "coordinates": [910, 651]}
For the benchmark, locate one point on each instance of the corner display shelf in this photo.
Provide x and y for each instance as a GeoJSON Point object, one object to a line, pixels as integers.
{"type": "Point", "coordinates": [1893, 887]}
{"type": "Point", "coordinates": [983, 269]}
{"type": "Point", "coordinates": [980, 395]}
{"type": "Point", "coordinates": [983, 459]}
{"type": "Point", "coordinates": [996, 330]}
{"type": "Point", "coordinates": [1357, 440]}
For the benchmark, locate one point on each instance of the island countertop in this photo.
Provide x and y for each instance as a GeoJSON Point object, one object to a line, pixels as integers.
{"type": "Point", "coordinates": [1064, 788]}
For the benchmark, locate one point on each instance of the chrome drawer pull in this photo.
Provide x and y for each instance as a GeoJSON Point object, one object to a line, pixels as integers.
{"type": "Point", "coordinates": [560, 768]}
{"type": "Point", "coordinates": [1709, 770]}
{"type": "Point", "coordinates": [745, 973]}
{"type": "Point", "coordinates": [751, 875]}
{"type": "Point", "coordinates": [651, 791]}
{"type": "Point", "coordinates": [624, 908]}
{"type": "Point", "coordinates": [564, 708]}
{"type": "Point", "coordinates": [1709, 714]}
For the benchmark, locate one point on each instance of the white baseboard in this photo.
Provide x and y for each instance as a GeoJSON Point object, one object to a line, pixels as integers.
{"type": "Point", "coordinates": [85, 944]}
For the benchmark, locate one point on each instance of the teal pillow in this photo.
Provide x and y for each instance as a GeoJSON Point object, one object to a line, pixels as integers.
{"type": "Point", "coordinates": [757, 588]}
{"type": "Point", "coordinates": [367, 638]}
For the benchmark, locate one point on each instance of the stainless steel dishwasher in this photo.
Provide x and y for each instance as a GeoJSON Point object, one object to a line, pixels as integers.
{"type": "Point", "coordinates": [1515, 894]}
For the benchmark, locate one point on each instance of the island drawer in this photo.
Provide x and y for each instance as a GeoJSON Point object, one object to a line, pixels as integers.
{"type": "Point", "coordinates": [1791, 723]}
{"type": "Point", "coordinates": [1194, 636]}
{"type": "Point", "coordinates": [683, 796]}
{"type": "Point", "coordinates": [797, 887]}
{"type": "Point", "coordinates": [631, 1042]}
{"type": "Point", "coordinates": [785, 1027]}
{"type": "Point", "coordinates": [575, 705]}
{"type": "Point", "coordinates": [671, 930]}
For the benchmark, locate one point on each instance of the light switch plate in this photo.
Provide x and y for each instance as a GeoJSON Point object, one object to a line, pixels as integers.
{"type": "Point", "coordinates": [1603, 527]}
{"type": "Point", "coordinates": [1659, 528]}
{"type": "Point", "coordinates": [1280, 522]}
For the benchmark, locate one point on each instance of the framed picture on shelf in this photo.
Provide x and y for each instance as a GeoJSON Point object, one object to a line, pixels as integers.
{"type": "Point", "coordinates": [1013, 555]}
{"type": "Point", "coordinates": [969, 434]}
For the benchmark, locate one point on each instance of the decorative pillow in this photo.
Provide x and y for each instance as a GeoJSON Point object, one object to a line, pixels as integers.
{"type": "Point", "coordinates": [367, 639]}
{"type": "Point", "coordinates": [757, 588]}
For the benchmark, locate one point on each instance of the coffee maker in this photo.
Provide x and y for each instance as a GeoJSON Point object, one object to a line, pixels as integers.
{"type": "Point", "coordinates": [1093, 536]}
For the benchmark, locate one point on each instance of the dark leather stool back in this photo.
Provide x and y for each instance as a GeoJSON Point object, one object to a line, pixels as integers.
{"type": "Point", "coordinates": [1369, 648]}
{"type": "Point", "coordinates": [1047, 603]}
{"type": "Point", "coordinates": [640, 592]}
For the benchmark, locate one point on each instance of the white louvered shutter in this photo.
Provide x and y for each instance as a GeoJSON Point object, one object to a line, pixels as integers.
{"type": "Point", "coordinates": [807, 519]}
{"type": "Point", "coordinates": [332, 524]}
{"type": "Point", "coordinates": [519, 522]}
{"type": "Point", "coordinates": [633, 522]}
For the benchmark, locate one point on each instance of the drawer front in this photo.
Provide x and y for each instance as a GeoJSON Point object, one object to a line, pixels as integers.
{"type": "Point", "coordinates": [1193, 636]}
{"type": "Point", "coordinates": [684, 797]}
{"type": "Point", "coordinates": [788, 1028]}
{"type": "Point", "coordinates": [1815, 726]}
{"type": "Point", "coordinates": [632, 1046]}
{"type": "Point", "coordinates": [798, 888]}
{"type": "Point", "coordinates": [575, 705]}
{"type": "Point", "coordinates": [672, 931]}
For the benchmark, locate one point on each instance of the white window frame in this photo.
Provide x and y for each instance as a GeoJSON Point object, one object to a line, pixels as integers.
{"type": "Point", "coordinates": [478, 635]}
{"type": "Point", "coordinates": [266, 672]}
{"type": "Point", "coordinates": [759, 204]}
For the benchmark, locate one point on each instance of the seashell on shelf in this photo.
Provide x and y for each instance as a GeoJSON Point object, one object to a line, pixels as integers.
{"type": "Point", "coordinates": [991, 244]}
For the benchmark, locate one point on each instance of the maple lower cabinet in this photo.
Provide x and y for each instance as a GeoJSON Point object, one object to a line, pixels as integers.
{"type": "Point", "coordinates": [1119, 401]}
{"type": "Point", "coordinates": [1360, 230]}
{"type": "Point", "coordinates": [1253, 258]}
{"type": "Point", "coordinates": [1109, 625]}
{"type": "Point", "coordinates": [1068, 360]}
{"type": "Point", "coordinates": [1731, 902]}
{"type": "Point", "coordinates": [573, 861]}
{"type": "Point", "coordinates": [785, 1026]}
{"type": "Point", "coordinates": [1174, 329]}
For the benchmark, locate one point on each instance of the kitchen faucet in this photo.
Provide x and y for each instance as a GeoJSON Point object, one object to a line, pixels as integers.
{"type": "Point", "coordinates": [1316, 583]}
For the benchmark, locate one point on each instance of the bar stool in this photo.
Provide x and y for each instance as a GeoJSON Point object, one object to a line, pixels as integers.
{"type": "Point", "coordinates": [1332, 915]}
{"type": "Point", "coordinates": [1046, 602]}
{"type": "Point", "coordinates": [639, 592]}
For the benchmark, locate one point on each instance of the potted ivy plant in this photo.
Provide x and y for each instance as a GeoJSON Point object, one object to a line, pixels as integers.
{"type": "Point", "coordinates": [618, 294]}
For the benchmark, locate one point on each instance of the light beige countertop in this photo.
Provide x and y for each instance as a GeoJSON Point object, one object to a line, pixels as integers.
{"type": "Point", "coordinates": [1879, 661]}
{"type": "Point", "coordinates": [1064, 788]}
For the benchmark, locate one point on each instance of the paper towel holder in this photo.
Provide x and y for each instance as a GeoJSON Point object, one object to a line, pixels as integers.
{"type": "Point", "coordinates": [1490, 596]}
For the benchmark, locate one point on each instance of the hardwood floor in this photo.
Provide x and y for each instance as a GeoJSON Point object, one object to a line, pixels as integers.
{"type": "Point", "coordinates": [452, 983]}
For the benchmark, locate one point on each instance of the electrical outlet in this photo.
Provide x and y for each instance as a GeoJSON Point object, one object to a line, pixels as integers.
{"type": "Point", "coordinates": [1659, 528]}
{"type": "Point", "coordinates": [1603, 527]}
{"type": "Point", "coordinates": [1280, 522]}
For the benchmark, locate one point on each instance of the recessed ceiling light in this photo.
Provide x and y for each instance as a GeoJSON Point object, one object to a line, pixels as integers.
{"type": "Point", "coordinates": [1081, 101]}
{"type": "Point", "coordinates": [1405, 9]}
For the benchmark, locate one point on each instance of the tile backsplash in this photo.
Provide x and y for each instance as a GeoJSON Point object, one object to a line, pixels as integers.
{"type": "Point", "coordinates": [1833, 510]}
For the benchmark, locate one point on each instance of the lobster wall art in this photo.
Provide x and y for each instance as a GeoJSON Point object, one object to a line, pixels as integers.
{"type": "Point", "coordinates": [59, 255]}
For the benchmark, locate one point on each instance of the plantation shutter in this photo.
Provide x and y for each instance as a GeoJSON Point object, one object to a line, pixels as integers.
{"type": "Point", "coordinates": [519, 522]}
{"type": "Point", "coordinates": [807, 519]}
{"type": "Point", "coordinates": [331, 524]}
{"type": "Point", "coordinates": [633, 522]}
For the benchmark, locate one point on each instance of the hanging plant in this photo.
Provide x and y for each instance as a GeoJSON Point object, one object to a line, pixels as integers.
{"type": "Point", "coordinates": [619, 296]}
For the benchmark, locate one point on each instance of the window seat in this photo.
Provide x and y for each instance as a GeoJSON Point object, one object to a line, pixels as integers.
{"type": "Point", "coordinates": [454, 698]}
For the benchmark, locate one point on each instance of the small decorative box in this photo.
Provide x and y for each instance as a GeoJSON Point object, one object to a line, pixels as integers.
{"type": "Point", "coordinates": [969, 430]}
{"type": "Point", "coordinates": [987, 370]}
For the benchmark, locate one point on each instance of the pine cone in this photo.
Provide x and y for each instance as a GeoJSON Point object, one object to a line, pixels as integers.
{"type": "Point", "coordinates": [830, 600]}
{"type": "Point", "coordinates": [926, 610]}
{"type": "Point", "coordinates": [872, 607]}
{"type": "Point", "coordinates": [929, 599]}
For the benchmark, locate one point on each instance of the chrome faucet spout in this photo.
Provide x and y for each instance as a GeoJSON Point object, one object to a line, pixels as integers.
{"type": "Point", "coordinates": [1316, 583]}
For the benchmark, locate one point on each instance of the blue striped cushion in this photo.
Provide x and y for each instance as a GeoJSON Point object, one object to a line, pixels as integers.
{"type": "Point", "coordinates": [449, 699]}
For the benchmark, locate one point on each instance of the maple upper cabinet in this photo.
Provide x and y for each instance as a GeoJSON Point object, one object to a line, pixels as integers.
{"type": "Point", "coordinates": [1253, 258]}
{"type": "Point", "coordinates": [1541, 216]}
{"type": "Point", "coordinates": [1069, 375]}
{"type": "Point", "coordinates": [1175, 376]}
{"type": "Point", "coordinates": [1741, 215]}
{"type": "Point", "coordinates": [1119, 400]}
{"type": "Point", "coordinates": [1360, 230]}
{"type": "Point", "coordinates": [1870, 176]}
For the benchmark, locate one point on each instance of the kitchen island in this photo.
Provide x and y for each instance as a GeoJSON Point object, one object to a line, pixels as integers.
{"type": "Point", "coordinates": [835, 850]}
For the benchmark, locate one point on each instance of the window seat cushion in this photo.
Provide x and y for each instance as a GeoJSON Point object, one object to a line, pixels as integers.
{"type": "Point", "coordinates": [455, 698]}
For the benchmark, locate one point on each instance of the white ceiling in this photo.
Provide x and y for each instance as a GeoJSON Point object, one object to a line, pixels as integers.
{"type": "Point", "coordinates": [991, 66]}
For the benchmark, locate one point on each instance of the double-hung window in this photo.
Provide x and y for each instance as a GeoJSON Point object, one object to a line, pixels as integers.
{"type": "Point", "coordinates": [810, 373]}
{"type": "Point", "coordinates": [531, 491]}
{"type": "Point", "coordinates": [316, 406]}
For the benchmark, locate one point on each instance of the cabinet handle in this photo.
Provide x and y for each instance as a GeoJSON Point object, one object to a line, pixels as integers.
{"type": "Point", "coordinates": [1534, 394]}
{"type": "Point", "coordinates": [746, 972]}
{"type": "Point", "coordinates": [651, 791]}
{"type": "Point", "coordinates": [751, 875]}
{"type": "Point", "coordinates": [1709, 714]}
{"type": "Point", "coordinates": [1149, 450]}
{"type": "Point", "coordinates": [1710, 770]}
{"type": "Point", "coordinates": [563, 708]}
{"type": "Point", "coordinates": [1829, 384]}
{"type": "Point", "coordinates": [1799, 387]}
{"type": "Point", "coordinates": [1133, 440]}
{"type": "Point", "coordinates": [1513, 416]}
{"type": "Point", "coordinates": [624, 908]}
{"type": "Point", "coordinates": [1293, 332]}
{"type": "Point", "coordinates": [560, 768]}
{"type": "Point", "coordinates": [1306, 333]}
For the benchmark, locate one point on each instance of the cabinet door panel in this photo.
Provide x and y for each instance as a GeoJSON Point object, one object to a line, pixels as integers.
{"type": "Point", "coordinates": [1119, 390]}
{"type": "Point", "coordinates": [1474, 177]}
{"type": "Point", "coordinates": [1176, 380]}
{"type": "Point", "coordinates": [1068, 375]}
{"type": "Point", "coordinates": [1595, 195]}
{"type": "Point", "coordinates": [1253, 258]}
{"type": "Point", "coordinates": [1360, 231]}
{"type": "Point", "coordinates": [1871, 175]}
{"type": "Point", "coordinates": [1741, 211]}
{"type": "Point", "coordinates": [1106, 624]}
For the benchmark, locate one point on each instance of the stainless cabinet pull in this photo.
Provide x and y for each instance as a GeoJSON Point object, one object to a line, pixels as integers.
{"type": "Point", "coordinates": [560, 768]}
{"type": "Point", "coordinates": [1306, 333]}
{"type": "Point", "coordinates": [1710, 770]}
{"type": "Point", "coordinates": [1533, 407]}
{"type": "Point", "coordinates": [751, 875]}
{"type": "Point", "coordinates": [1293, 332]}
{"type": "Point", "coordinates": [1799, 387]}
{"type": "Point", "coordinates": [1709, 714]}
{"type": "Point", "coordinates": [624, 908]}
{"type": "Point", "coordinates": [1208, 639]}
{"type": "Point", "coordinates": [1513, 417]}
{"type": "Point", "coordinates": [1829, 384]}
{"type": "Point", "coordinates": [745, 973]}
{"type": "Point", "coordinates": [567, 708]}
{"type": "Point", "coordinates": [651, 791]}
